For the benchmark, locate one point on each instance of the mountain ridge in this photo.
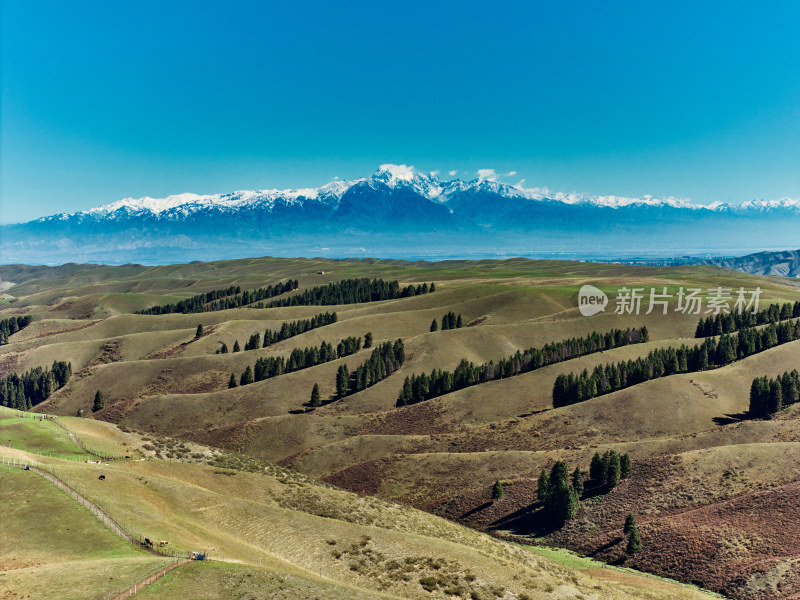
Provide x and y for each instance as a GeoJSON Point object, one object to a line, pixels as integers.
{"type": "Point", "coordinates": [427, 185]}
{"type": "Point", "coordinates": [398, 212]}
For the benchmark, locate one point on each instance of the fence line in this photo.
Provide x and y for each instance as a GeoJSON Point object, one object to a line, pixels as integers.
{"type": "Point", "coordinates": [140, 585]}
{"type": "Point", "coordinates": [180, 557]}
{"type": "Point", "coordinates": [79, 442]}
{"type": "Point", "coordinates": [56, 421]}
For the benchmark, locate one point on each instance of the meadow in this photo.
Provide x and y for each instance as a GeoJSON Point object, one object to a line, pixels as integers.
{"type": "Point", "coordinates": [699, 462]}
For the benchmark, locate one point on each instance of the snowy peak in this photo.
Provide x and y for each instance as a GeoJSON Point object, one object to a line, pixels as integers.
{"type": "Point", "coordinates": [768, 205]}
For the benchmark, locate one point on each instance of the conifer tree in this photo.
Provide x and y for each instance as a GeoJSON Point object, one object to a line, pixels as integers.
{"type": "Point", "coordinates": [614, 469]}
{"type": "Point", "coordinates": [543, 488]}
{"type": "Point", "coordinates": [459, 322]}
{"type": "Point", "coordinates": [247, 376]}
{"type": "Point", "coordinates": [634, 541]}
{"type": "Point", "coordinates": [236, 347]}
{"type": "Point", "coordinates": [497, 490]}
{"type": "Point", "coordinates": [224, 348]}
{"type": "Point", "coordinates": [561, 500]}
{"type": "Point", "coordinates": [630, 524]}
{"type": "Point", "coordinates": [99, 403]}
{"type": "Point", "coordinates": [434, 325]}
{"type": "Point", "coordinates": [775, 397]}
{"type": "Point", "coordinates": [342, 381]}
{"type": "Point", "coordinates": [232, 381]}
{"type": "Point", "coordinates": [624, 466]}
{"type": "Point", "coordinates": [597, 470]}
{"type": "Point", "coordinates": [199, 333]}
{"type": "Point", "coordinates": [577, 482]}
{"type": "Point", "coordinates": [315, 399]}
{"type": "Point", "coordinates": [368, 340]}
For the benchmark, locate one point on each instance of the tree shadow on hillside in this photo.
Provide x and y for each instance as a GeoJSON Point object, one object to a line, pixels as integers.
{"type": "Point", "coordinates": [605, 547]}
{"type": "Point", "coordinates": [477, 509]}
{"type": "Point", "coordinates": [308, 407]}
{"type": "Point", "coordinates": [531, 520]}
{"type": "Point", "coordinates": [731, 418]}
{"type": "Point", "coordinates": [594, 489]}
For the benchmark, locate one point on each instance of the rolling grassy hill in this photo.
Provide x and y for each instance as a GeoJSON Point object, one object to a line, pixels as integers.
{"type": "Point", "coordinates": [691, 449]}
{"type": "Point", "coordinates": [270, 533]}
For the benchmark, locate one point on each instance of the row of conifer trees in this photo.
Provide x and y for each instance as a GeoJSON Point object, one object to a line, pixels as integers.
{"type": "Point", "coordinates": [449, 321]}
{"type": "Point", "coordinates": [267, 367]}
{"type": "Point", "coordinates": [384, 360]}
{"type": "Point", "coordinates": [353, 291]}
{"type": "Point", "coordinates": [711, 354]}
{"type": "Point", "coordinates": [12, 325]}
{"type": "Point", "coordinates": [222, 299]}
{"type": "Point", "coordinates": [728, 323]}
{"type": "Point", "coordinates": [768, 396]}
{"type": "Point", "coordinates": [288, 329]}
{"type": "Point", "coordinates": [25, 391]}
{"type": "Point", "coordinates": [418, 388]}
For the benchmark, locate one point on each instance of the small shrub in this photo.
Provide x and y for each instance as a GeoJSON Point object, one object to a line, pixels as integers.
{"type": "Point", "coordinates": [429, 584]}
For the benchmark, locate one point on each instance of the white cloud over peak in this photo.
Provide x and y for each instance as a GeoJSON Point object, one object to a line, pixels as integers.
{"type": "Point", "coordinates": [403, 172]}
{"type": "Point", "coordinates": [452, 173]}
{"type": "Point", "coordinates": [492, 175]}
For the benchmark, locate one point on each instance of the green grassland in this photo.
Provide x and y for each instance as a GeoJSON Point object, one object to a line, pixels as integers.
{"type": "Point", "coordinates": [55, 548]}
{"type": "Point", "coordinates": [37, 436]}
{"type": "Point", "coordinates": [442, 455]}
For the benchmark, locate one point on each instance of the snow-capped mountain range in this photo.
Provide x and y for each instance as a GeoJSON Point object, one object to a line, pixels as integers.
{"type": "Point", "coordinates": [400, 212]}
{"type": "Point", "coordinates": [391, 177]}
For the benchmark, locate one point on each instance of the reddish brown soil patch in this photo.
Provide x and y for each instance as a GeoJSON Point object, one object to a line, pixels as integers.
{"type": "Point", "coordinates": [363, 478]}
{"type": "Point", "coordinates": [419, 419]}
{"type": "Point", "coordinates": [114, 413]}
{"type": "Point", "coordinates": [109, 353]}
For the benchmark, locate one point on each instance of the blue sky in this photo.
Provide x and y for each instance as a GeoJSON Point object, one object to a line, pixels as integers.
{"type": "Point", "coordinates": [103, 100]}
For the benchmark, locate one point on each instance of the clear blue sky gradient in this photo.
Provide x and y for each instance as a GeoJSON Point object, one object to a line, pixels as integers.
{"type": "Point", "coordinates": [103, 100]}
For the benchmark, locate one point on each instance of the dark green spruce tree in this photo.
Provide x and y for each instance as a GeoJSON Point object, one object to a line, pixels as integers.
{"type": "Point", "coordinates": [632, 531]}
{"type": "Point", "coordinates": [497, 490]}
{"type": "Point", "coordinates": [315, 399]}
{"type": "Point", "coordinates": [99, 403]}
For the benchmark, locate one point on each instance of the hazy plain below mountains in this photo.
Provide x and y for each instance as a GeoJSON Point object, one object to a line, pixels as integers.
{"type": "Point", "coordinates": [397, 212]}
